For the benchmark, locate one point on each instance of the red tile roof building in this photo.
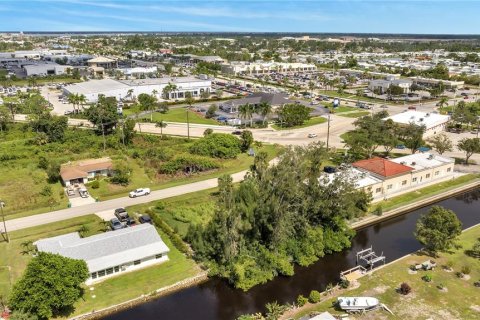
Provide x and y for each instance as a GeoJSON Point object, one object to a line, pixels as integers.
{"type": "Point", "coordinates": [382, 167]}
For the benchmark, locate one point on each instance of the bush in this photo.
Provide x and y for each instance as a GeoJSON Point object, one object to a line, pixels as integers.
{"type": "Point", "coordinates": [188, 164]}
{"type": "Point", "coordinates": [427, 278]}
{"type": "Point", "coordinates": [450, 264]}
{"type": "Point", "coordinates": [466, 269]}
{"type": "Point", "coordinates": [344, 283]}
{"type": "Point", "coordinates": [95, 184]}
{"type": "Point", "coordinates": [207, 132]}
{"type": "Point", "coordinates": [378, 210]}
{"type": "Point", "coordinates": [43, 163]}
{"type": "Point", "coordinates": [405, 288]}
{"type": "Point", "coordinates": [301, 300]}
{"type": "Point", "coordinates": [217, 145]}
{"type": "Point", "coordinates": [53, 172]}
{"type": "Point", "coordinates": [46, 191]}
{"type": "Point", "coordinates": [175, 238]}
{"type": "Point", "coordinates": [314, 296]}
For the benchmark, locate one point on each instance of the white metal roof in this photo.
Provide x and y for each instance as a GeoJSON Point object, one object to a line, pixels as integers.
{"type": "Point", "coordinates": [419, 118]}
{"type": "Point", "coordinates": [421, 161]}
{"type": "Point", "coordinates": [96, 86]}
{"type": "Point", "coordinates": [107, 249]}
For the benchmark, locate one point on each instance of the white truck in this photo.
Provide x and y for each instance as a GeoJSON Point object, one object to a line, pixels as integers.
{"type": "Point", "coordinates": [139, 192]}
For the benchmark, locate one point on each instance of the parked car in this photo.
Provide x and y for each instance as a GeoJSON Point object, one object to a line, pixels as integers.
{"type": "Point", "coordinates": [130, 222]}
{"type": "Point", "coordinates": [400, 146]}
{"type": "Point", "coordinates": [121, 214]}
{"type": "Point", "coordinates": [312, 135]}
{"type": "Point", "coordinates": [237, 132]}
{"type": "Point", "coordinates": [329, 169]}
{"type": "Point", "coordinates": [145, 219]}
{"type": "Point", "coordinates": [115, 224]}
{"type": "Point", "coordinates": [67, 112]}
{"type": "Point", "coordinates": [139, 192]}
{"type": "Point", "coordinates": [83, 193]}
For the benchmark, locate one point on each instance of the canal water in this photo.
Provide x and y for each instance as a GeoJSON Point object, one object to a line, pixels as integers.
{"type": "Point", "coordinates": [216, 300]}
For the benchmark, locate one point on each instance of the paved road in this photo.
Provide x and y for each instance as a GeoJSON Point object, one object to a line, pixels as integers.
{"type": "Point", "coordinates": [65, 214]}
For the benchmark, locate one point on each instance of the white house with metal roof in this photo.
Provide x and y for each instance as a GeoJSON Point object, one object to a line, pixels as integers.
{"type": "Point", "coordinates": [110, 253]}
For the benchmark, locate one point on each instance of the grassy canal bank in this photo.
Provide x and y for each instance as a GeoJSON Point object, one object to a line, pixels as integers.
{"type": "Point", "coordinates": [446, 296]}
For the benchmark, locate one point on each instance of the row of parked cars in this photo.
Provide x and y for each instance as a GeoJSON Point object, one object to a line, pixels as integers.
{"type": "Point", "coordinates": [123, 220]}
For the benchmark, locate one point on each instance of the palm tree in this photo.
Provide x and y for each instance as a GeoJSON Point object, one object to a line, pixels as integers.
{"type": "Point", "coordinates": [161, 124]}
{"type": "Point", "coordinates": [246, 112]}
{"type": "Point", "coordinates": [311, 86]}
{"type": "Point", "coordinates": [82, 100]}
{"type": "Point", "coordinates": [168, 89]}
{"type": "Point", "coordinates": [129, 93]}
{"type": "Point", "coordinates": [265, 110]}
{"type": "Point", "coordinates": [443, 101]}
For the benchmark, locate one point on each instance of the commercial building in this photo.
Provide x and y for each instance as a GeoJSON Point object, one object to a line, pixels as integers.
{"type": "Point", "coordinates": [242, 67]}
{"type": "Point", "coordinates": [382, 86]}
{"type": "Point", "coordinates": [121, 89]}
{"type": "Point", "coordinates": [110, 253]}
{"type": "Point", "coordinates": [98, 65]}
{"type": "Point", "coordinates": [427, 82]}
{"type": "Point", "coordinates": [433, 122]}
{"type": "Point", "coordinates": [273, 99]}
{"type": "Point", "coordinates": [44, 68]}
{"type": "Point", "coordinates": [84, 170]}
{"type": "Point", "coordinates": [138, 71]}
{"type": "Point", "coordinates": [384, 177]}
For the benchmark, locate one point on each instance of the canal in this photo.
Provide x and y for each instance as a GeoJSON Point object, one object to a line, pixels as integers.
{"type": "Point", "coordinates": [215, 299]}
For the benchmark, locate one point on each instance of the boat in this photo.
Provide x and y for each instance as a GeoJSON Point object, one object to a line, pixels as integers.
{"type": "Point", "coordinates": [357, 303]}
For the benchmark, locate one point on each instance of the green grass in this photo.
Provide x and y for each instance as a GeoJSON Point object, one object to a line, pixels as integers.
{"type": "Point", "coordinates": [425, 300]}
{"type": "Point", "coordinates": [423, 193]}
{"type": "Point", "coordinates": [11, 253]}
{"type": "Point", "coordinates": [354, 114]}
{"type": "Point", "coordinates": [342, 109]}
{"type": "Point", "coordinates": [140, 179]}
{"type": "Point", "coordinates": [311, 122]}
{"type": "Point", "coordinates": [176, 115]}
{"type": "Point", "coordinates": [111, 291]}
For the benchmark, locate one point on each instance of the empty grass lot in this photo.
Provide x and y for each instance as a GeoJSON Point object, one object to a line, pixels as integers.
{"type": "Point", "coordinates": [354, 114]}
{"type": "Point", "coordinates": [310, 122]}
{"type": "Point", "coordinates": [460, 299]}
{"type": "Point", "coordinates": [176, 115]}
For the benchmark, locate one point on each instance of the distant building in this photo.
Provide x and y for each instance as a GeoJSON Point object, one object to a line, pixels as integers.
{"type": "Point", "coordinates": [44, 68]}
{"type": "Point", "coordinates": [427, 82]}
{"type": "Point", "coordinates": [273, 99]}
{"type": "Point", "coordinates": [434, 123]}
{"type": "Point", "coordinates": [121, 89]}
{"type": "Point", "coordinates": [111, 253]}
{"type": "Point", "coordinates": [382, 86]}
{"type": "Point", "coordinates": [84, 170]}
{"type": "Point", "coordinates": [238, 67]}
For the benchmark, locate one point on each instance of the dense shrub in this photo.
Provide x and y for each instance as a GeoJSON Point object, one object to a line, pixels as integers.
{"type": "Point", "coordinates": [314, 296]}
{"type": "Point", "coordinates": [217, 145]}
{"type": "Point", "coordinates": [427, 278]}
{"type": "Point", "coordinates": [344, 283]}
{"type": "Point", "coordinates": [301, 300]}
{"type": "Point", "coordinates": [466, 269]}
{"type": "Point", "coordinates": [188, 164]}
{"type": "Point", "coordinates": [175, 238]}
{"type": "Point", "coordinates": [405, 288]}
{"type": "Point", "coordinates": [95, 184]}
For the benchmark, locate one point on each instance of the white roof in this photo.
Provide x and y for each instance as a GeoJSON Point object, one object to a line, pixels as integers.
{"type": "Point", "coordinates": [419, 118]}
{"type": "Point", "coordinates": [323, 316]}
{"type": "Point", "coordinates": [95, 86]}
{"type": "Point", "coordinates": [421, 161]}
{"type": "Point", "coordinates": [359, 178]}
{"type": "Point", "coordinates": [100, 60]}
{"type": "Point", "coordinates": [107, 249]}
{"type": "Point", "coordinates": [161, 81]}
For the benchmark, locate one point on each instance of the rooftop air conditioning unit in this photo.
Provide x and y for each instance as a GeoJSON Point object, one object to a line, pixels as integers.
{"type": "Point", "coordinates": [414, 163]}
{"type": "Point", "coordinates": [403, 162]}
{"type": "Point", "coordinates": [430, 157]}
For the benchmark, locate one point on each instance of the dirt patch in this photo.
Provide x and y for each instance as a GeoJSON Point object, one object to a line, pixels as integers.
{"type": "Point", "coordinates": [466, 277]}
{"type": "Point", "coordinates": [475, 308]}
{"type": "Point", "coordinates": [410, 271]}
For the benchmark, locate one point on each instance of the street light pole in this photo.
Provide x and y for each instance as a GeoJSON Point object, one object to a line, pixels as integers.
{"type": "Point", "coordinates": [328, 129]}
{"type": "Point", "coordinates": [2, 204]}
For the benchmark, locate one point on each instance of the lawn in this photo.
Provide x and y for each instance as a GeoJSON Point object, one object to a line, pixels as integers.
{"type": "Point", "coordinates": [342, 109]}
{"type": "Point", "coordinates": [111, 291]}
{"type": "Point", "coordinates": [354, 114]}
{"type": "Point", "coordinates": [177, 115]}
{"type": "Point", "coordinates": [423, 193]}
{"type": "Point", "coordinates": [460, 300]}
{"type": "Point", "coordinates": [310, 122]}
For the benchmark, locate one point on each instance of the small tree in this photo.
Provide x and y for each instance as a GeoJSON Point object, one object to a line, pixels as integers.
{"type": "Point", "coordinates": [469, 146]}
{"type": "Point", "coordinates": [438, 229]}
{"type": "Point", "coordinates": [246, 140]}
{"type": "Point", "coordinates": [207, 132]}
{"type": "Point", "coordinates": [62, 276]}
{"type": "Point", "coordinates": [301, 300]}
{"type": "Point", "coordinates": [405, 288]}
{"type": "Point", "coordinates": [314, 296]}
{"type": "Point", "coordinates": [161, 124]}
{"type": "Point", "coordinates": [441, 143]}
{"type": "Point", "coordinates": [211, 111]}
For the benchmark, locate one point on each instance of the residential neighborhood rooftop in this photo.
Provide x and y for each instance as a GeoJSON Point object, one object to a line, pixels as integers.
{"type": "Point", "coordinates": [107, 249]}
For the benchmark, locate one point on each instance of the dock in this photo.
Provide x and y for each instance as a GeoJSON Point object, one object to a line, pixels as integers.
{"type": "Point", "coordinates": [369, 257]}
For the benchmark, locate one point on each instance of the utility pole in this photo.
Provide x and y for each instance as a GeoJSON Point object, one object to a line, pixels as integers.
{"type": "Point", "coordinates": [328, 128]}
{"type": "Point", "coordinates": [2, 204]}
{"type": "Point", "coordinates": [188, 126]}
{"type": "Point", "coordinates": [103, 134]}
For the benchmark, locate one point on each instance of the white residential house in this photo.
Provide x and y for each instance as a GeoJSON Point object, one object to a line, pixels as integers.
{"type": "Point", "coordinates": [111, 253]}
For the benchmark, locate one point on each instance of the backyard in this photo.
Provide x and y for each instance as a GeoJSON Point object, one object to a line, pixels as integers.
{"type": "Point", "coordinates": [446, 296]}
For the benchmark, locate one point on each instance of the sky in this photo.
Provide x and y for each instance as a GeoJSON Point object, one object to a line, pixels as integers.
{"type": "Point", "coordinates": [337, 16]}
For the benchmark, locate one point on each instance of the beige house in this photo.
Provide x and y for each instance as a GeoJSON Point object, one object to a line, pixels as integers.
{"type": "Point", "coordinates": [385, 178]}
{"type": "Point", "coordinates": [84, 170]}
